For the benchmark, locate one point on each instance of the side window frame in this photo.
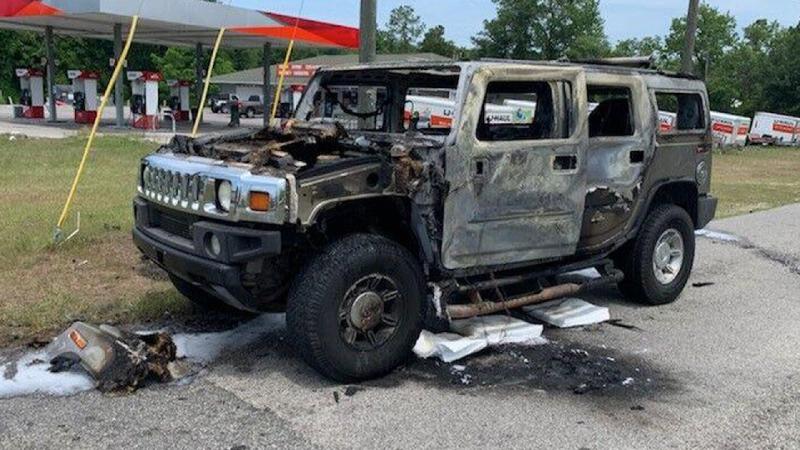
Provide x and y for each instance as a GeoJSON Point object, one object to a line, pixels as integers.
{"type": "Point", "coordinates": [675, 131]}
{"type": "Point", "coordinates": [634, 100]}
{"type": "Point", "coordinates": [569, 118]}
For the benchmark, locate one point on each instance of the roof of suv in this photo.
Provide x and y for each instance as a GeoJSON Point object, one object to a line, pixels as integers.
{"type": "Point", "coordinates": [593, 66]}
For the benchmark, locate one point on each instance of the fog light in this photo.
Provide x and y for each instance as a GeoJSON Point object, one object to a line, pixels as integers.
{"type": "Point", "coordinates": [213, 246]}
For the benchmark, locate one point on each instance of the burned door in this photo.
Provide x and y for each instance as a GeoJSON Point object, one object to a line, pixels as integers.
{"type": "Point", "coordinates": [517, 170]}
{"type": "Point", "coordinates": [621, 142]}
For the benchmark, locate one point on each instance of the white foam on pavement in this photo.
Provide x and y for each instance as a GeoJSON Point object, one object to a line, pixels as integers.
{"type": "Point", "coordinates": [32, 375]}
{"type": "Point", "coordinates": [473, 335]}
{"type": "Point", "coordinates": [206, 347]}
{"type": "Point", "coordinates": [570, 312]}
{"type": "Point", "coordinates": [716, 235]}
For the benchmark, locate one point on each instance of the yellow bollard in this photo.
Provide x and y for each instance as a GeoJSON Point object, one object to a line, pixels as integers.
{"type": "Point", "coordinates": [117, 69]}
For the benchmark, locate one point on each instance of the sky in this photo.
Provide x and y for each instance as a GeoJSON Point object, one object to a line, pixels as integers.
{"type": "Point", "coordinates": [463, 19]}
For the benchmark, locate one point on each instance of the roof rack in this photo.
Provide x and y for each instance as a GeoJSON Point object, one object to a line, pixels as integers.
{"type": "Point", "coordinates": [635, 62]}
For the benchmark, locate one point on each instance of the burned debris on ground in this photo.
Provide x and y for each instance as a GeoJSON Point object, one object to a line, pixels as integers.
{"type": "Point", "coordinates": [117, 360]}
{"type": "Point", "coordinates": [559, 367]}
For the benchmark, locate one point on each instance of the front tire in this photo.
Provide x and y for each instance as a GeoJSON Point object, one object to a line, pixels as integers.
{"type": "Point", "coordinates": [355, 310]}
{"type": "Point", "coordinates": [657, 264]}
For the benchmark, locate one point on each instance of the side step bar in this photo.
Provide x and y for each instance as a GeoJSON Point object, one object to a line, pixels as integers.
{"type": "Point", "coordinates": [551, 293]}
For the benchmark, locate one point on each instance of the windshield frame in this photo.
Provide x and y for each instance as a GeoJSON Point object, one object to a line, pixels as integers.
{"type": "Point", "coordinates": [391, 75]}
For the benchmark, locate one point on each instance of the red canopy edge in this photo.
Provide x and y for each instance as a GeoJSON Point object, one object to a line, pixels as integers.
{"type": "Point", "coordinates": [307, 30]}
{"type": "Point", "coordinates": [22, 8]}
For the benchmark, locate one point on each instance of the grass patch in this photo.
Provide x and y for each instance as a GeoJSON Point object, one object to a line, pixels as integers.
{"type": "Point", "coordinates": [97, 276]}
{"type": "Point", "coordinates": [755, 179]}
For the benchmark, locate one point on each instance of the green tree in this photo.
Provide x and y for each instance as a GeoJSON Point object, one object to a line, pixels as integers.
{"type": "Point", "coordinates": [716, 34]}
{"type": "Point", "coordinates": [20, 49]}
{"type": "Point", "coordinates": [761, 34]}
{"type": "Point", "coordinates": [738, 80]}
{"type": "Point", "coordinates": [782, 86]}
{"type": "Point", "coordinates": [402, 32]}
{"type": "Point", "coordinates": [639, 47]}
{"type": "Point", "coordinates": [544, 29]}
{"type": "Point", "coordinates": [435, 42]}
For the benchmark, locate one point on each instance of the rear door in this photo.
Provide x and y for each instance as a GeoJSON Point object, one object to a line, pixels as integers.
{"type": "Point", "coordinates": [517, 172]}
{"type": "Point", "coordinates": [684, 152]}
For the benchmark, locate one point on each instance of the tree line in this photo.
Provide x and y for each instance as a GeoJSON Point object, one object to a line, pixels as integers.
{"type": "Point", "coordinates": [754, 70]}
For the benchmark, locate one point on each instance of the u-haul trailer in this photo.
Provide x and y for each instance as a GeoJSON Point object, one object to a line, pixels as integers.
{"type": "Point", "coordinates": [726, 129]}
{"type": "Point", "coordinates": [666, 121]}
{"type": "Point", "coordinates": [437, 112]}
{"type": "Point", "coordinates": [744, 129]}
{"type": "Point", "coordinates": [769, 128]}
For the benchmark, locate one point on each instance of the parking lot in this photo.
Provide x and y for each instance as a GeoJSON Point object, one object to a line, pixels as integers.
{"type": "Point", "coordinates": [716, 369]}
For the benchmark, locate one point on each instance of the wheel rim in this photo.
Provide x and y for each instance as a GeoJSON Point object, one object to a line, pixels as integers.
{"type": "Point", "coordinates": [369, 314]}
{"type": "Point", "coordinates": [668, 256]}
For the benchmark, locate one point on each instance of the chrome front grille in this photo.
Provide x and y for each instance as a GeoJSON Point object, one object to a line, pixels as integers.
{"type": "Point", "coordinates": [188, 184]}
{"type": "Point", "coordinates": [175, 188]}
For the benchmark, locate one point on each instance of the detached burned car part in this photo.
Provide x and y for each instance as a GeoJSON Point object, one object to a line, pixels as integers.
{"type": "Point", "coordinates": [117, 360]}
{"type": "Point", "coordinates": [409, 194]}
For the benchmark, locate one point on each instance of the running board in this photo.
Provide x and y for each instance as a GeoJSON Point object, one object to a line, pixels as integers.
{"type": "Point", "coordinates": [481, 308]}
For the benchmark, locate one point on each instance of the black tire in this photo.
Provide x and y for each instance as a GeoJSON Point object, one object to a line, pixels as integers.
{"type": "Point", "coordinates": [323, 289]}
{"type": "Point", "coordinates": [250, 113]}
{"type": "Point", "coordinates": [200, 298]}
{"type": "Point", "coordinates": [636, 261]}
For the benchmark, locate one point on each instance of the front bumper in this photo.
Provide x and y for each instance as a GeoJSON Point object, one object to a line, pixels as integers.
{"type": "Point", "coordinates": [188, 256]}
{"type": "Point", "coordinates": [706, 209]}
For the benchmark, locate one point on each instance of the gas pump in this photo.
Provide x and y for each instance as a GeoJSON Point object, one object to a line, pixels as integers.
{"type": "Point", "coordinates": [84, 94]}
{"type": "Point", "coordinates": [144, 99]}
{"type": "Point", "coordinates": [31, 82]}
{"type": "Point", "coordinates": [179, 99]}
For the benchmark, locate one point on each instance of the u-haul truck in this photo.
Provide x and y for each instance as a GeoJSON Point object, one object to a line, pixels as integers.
{"type": "Point", "coordinates": [726, 129]}
{"type": "Point", "coordinates": [434, 112]}
{"type": "Point", "coordinates": [437, 112]}
{"type": "Point", "coordinates": [769, 128]}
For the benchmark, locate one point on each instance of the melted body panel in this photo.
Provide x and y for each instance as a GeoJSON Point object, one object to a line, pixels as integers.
{"type": "Point", "coordinates": [508, 201]}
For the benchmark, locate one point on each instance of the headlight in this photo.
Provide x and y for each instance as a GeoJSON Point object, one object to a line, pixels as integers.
{"type": "Point", "coordinates": [224, 195]}
{"type": "Point", "coordinates": [144, 177]}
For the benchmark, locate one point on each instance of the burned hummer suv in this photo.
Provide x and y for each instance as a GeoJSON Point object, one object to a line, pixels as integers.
{"type": "Point", "coordinates": [403, 195]}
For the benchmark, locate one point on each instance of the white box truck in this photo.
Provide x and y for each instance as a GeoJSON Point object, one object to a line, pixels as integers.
{"type": "Point", "coordinates": [726, 128]}
{"type": "Point", "coordinates": [437, 112]}
{"type": "Point", "coordinates": [769, 128]}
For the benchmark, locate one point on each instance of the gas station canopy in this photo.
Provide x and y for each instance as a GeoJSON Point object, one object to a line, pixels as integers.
{"type": "Point", "coordinates": [173, 22]}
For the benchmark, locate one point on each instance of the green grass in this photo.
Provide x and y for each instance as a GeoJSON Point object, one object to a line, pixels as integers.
{"type": "Point", "coordinates": [755, 179]}
{"type": "Point", "coordinates": [35, 179]}
{"type": "Point", "coordinates": [95, 275]}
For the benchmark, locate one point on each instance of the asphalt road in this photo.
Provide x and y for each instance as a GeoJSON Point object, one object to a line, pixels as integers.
{"type": "Point", "coordinates": [718, 369]}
